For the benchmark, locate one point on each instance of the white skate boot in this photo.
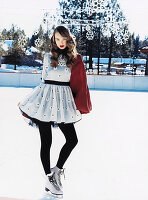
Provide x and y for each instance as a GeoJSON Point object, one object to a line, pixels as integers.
{"type": "Point", "coordinates": [57, 174]}
{"type": "Point", "coordinates": [52, 186]}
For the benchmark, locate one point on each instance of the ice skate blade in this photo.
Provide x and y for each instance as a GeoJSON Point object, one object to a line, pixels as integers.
{"type": "Point", "coordinates": [57, 196]}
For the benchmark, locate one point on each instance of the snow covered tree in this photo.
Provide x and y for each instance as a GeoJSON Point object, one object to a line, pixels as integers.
{"type": "Point", "coordinates": [41, 37]}
{"type": "Point", "coordinates": [42, 40]}
{"type": "Point", "coordinates": [136, 44]}
{"type": "Point", "coordinates": [16, 54]}
{"type": "Point", "coordinates": [2, 51]}
{"type": "Point", "coordinates": [19, 43]}
{"type": "Point", "coordinates": [3, 35]}
{"type": "Point", "coordinates": [144, 43]}
{"type": "Point", "coordinates": [115, 26]}
{"type": "Point", "coordinates": [95, 17]}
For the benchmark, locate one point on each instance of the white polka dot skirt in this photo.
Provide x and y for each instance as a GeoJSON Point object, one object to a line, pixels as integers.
{"type": "Point", "coordinates": [48, 102]}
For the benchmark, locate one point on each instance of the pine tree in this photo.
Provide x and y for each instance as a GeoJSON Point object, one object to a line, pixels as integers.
{"type": "Point", "coordinates": [19, 42]}
{"type": "Point", "coordinates": [107, 19]}
{"type": "Point", "coordinates": [136, 44]}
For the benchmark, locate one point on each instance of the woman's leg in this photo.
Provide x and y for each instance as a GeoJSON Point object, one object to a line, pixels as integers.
{"type": "Point", "coordinates": [71, 141]}
{"type": "Point", "coordinates": [46, 141]}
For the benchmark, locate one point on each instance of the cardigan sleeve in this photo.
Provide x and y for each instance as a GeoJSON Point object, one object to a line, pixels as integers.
{"type": "Point", "coordinates": [78, 84]}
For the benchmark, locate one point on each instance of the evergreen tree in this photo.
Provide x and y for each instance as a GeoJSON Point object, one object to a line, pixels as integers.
{"type": "Point", "coordinates": [41, 39]}
{"type": "Point", "coordinates": [16, 51]}
{"type": "Point", "coordinates": [77, 13]}
{"type": "Point", "coordinates": [136, 44]}
{"type": "Point", "coordinates": [16, 54]}
{"type": "Point", "coordinates": [144, 43]}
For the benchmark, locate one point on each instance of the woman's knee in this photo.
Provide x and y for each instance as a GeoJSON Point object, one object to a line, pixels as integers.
{"type": "Point", "coordinates": [69, 133]}
{"type": "Point", "coordinates": [73, 141]}
{"type": "Point", "coordinates": [76, 141]}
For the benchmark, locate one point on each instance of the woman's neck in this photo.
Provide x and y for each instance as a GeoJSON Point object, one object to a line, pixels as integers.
{"type": "Point", "coordinates": [63, 51]}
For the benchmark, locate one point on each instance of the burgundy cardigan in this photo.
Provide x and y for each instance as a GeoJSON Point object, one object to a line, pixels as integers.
{"type": "Point", "coordinates": [79, 87]}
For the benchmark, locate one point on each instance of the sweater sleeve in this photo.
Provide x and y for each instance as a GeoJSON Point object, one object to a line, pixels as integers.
{"type": "Point", "coordinates": [46, 64]}
{"type": "Point", "coordinates": [80, 88]}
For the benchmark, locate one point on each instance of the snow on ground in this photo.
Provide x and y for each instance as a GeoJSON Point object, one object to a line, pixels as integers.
{"type": "Point", "coordinates": [110, 161]}
{"type": "Point", "coordinates": [23, 68]}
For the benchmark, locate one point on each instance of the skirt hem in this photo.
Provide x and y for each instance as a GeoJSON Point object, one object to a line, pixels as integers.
{"type": "Point", "coordinates": [36, 122]}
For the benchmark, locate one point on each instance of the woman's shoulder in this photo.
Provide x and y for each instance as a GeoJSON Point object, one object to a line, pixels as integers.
{"type": "Point", "coordinates": [78, 58]}
{"type": "Point", "coordinates": [78, 63]}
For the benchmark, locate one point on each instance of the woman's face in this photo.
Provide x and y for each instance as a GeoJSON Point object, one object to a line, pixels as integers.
{"type": "Point", "coordinates": [61, 41]}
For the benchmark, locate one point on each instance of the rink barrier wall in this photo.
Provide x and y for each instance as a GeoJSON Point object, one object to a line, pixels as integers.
{"type": "Point", "coordinates": [106, 82]}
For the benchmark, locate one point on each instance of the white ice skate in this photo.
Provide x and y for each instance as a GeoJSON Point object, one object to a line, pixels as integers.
{"type": "Point", "coordinates": [57, 174]}
{"type": "Point", "coordinates": [52, 187]}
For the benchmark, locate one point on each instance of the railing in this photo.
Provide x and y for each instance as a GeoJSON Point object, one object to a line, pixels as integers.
{"type": "Point", "coordinates": [109, 82]}
{"type": "Point", "coordinates": [117, 69]}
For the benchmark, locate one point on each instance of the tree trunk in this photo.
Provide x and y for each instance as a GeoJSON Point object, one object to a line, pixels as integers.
{"type": "Point", "coordinates": [14, 66]}
{"type": "Point", "coordinates": [110, 54]}
{"type": "Point", "coordinates": [0, 60]}
{"type": "Point", "coordinates": [146, 69]}
{"type": "Point", "coordinates": [90, 54]}
{"type": "Point", "coordinates": [86, 57]}
{"type": "Point", "coordinates": [99, 49]}
{"type": "Point", "coordinates": [81, 17]}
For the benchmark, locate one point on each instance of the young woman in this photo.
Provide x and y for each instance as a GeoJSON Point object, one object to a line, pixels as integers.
{"type": "Point", "coordinates": [59, 101]}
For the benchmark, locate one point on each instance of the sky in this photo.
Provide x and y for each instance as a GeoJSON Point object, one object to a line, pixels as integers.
{"type": "Point", "coordinates": [136, 11]}
{"type": "Point", "coordinates": [28, 14]}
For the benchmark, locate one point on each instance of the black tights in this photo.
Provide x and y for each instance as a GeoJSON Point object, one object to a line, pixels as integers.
{"type": "Point", "coordinates": [46, 141]}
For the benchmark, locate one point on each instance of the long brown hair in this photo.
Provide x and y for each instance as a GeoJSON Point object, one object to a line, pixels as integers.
{"type": "Point", "coordinates": [70, 51]}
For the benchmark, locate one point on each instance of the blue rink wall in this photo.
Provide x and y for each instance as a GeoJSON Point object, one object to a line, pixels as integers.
{"type": "Point", "coordinates": [107, 82]}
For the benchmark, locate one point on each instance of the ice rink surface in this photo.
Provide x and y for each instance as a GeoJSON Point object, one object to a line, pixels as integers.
{"type": "Point", "coordinates": [110, 161]}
